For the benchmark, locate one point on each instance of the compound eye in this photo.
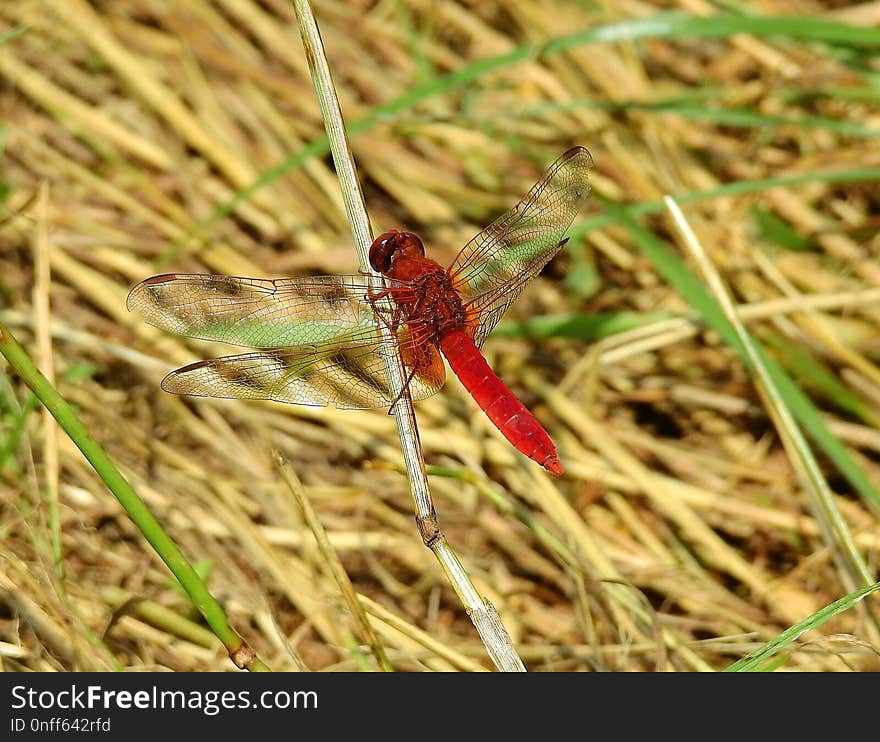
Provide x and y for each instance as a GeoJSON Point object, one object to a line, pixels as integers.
{"type": "Point", "coordinates": [382, 251]}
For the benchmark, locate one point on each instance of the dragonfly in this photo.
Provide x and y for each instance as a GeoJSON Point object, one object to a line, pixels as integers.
{"type": "Point", "coordinates": [323, 340]}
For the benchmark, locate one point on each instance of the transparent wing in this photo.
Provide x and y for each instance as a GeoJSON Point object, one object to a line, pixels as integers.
{"type": "Point", "coordinates": [487, 309]}
{"type": "Point", "coordinates": [322, 332]}
{"type": "Point", "coordinates": [348, 375]}
{"type": "Point", "coordinates": [493, 268]}
{"type": "Point", "coordinates": [260, 313]}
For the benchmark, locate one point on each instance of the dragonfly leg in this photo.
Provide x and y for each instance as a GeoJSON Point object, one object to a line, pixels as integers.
{"type": "Point", "coordinates": [409, 377]}
{"type": "Point", "coordinates": [382, 312]}
{"type": "Point", "coordinates": [414, 355]}
{"type": "Point", "coordinates": [392, 323]}
{"type": "Point", "coordinates": [378, 296]}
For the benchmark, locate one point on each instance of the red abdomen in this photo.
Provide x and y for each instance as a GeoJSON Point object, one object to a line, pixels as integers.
{"type": "Point", "coordinates": [507, 413]}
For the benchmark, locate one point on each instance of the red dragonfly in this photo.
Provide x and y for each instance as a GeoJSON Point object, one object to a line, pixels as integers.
{"type": "Point", "coordinates": [320, 337]}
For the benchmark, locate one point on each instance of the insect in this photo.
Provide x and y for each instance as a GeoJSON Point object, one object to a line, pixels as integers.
{"type": "Point", "coordinates": [320, 337]}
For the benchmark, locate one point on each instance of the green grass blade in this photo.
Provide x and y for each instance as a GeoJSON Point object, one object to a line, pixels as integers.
{"type": "Point", "coordinates": [778, 231]}
{"type": "Point", "coordinates": [744, 118]}
{"type": "Point", "coordinates": [815, 375]}
{"type": "Point", "coordinates": [682, 26]}
{"type": "Point", "coordinates": [734, 117]}
{"type": "Point", "coordinates": [18, 425]}
{"type": "Point", "coordinates": [677, 274]}
{"type": "Point", "coordinates": [754, 661]}
{"type": "Point", "coordinates": [140, 515]}
{"type": "Point", "coordinates": [13, 33]}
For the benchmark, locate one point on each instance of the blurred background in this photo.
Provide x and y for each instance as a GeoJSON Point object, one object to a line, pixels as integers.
{"type": "Point", "coordinates": [145, 137]}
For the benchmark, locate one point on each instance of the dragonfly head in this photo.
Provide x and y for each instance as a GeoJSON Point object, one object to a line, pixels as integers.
{"type": "Point", "coordinates": [390, 246]}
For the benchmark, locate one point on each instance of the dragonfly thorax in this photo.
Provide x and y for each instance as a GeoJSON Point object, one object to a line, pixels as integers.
{"type": "Point", "coordinates": [429, 300]}
{"type": "Point", "coordinates": [432, 302]}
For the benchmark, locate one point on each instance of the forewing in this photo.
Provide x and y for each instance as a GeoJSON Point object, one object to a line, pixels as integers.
{"type": "Point", "coordinates": [487, 309]}
{"type": "Point", "coordinates": [350, 376]}
{"type": "Point", "coordinates": [493, 268]}
{"type": "Point", "coordinates": [260, 313]}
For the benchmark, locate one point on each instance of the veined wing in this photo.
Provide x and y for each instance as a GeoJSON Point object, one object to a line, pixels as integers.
{"type": "Point", "coordinates": [486, 310]}
{"type": "Point", "coordinates": [257, 312]}
{"type": "Point", "coordinates": [493, 268]}
{"type": "Point", "coordinates": [347, 374]}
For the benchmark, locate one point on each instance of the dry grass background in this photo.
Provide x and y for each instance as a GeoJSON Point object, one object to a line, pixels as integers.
{"type": "Point", "coordinates": [679, 537]}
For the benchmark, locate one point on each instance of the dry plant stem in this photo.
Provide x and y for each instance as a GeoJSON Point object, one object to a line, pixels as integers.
{"type": "Point", "coordinates": [359, 222]}
{"type": "Point", "coordinates": [334, 565]}
{"type": "Point", "coordinates": [482, 613]}
{"type": "Point", "coordinates": [42, 325]}
{"type": "Point", "coordinates": [239, 651]}
{"type": "Point", "coordinates": [832, 524]}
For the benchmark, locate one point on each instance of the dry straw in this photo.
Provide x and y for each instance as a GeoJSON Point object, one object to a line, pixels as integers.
{"type": "Point", "coordinates": [684, 536]}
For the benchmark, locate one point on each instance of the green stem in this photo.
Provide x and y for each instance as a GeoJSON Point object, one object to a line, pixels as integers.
{"type": "Point", "coordinates": [239, 651]}
{"type": "Point", "coordinates": [755, 660]}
